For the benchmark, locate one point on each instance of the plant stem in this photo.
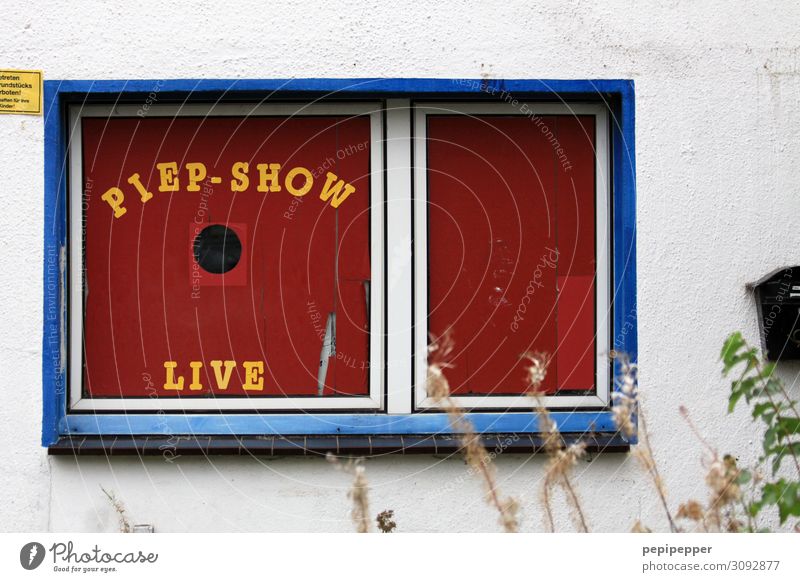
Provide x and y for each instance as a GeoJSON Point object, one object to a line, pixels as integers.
{"type": "Point", "coordinates": [576, 504]}
{"type": "Point", "coordinates": [652, 469]}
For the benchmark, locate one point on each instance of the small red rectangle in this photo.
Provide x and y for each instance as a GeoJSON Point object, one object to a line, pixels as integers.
{"type": "Point", "coordinates": [576, 342]}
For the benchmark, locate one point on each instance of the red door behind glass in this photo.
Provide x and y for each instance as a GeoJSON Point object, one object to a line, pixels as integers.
{"type": "Point", "coordinates": [511, 257]}
{"type": "Point", "coordinates": [146, 301]}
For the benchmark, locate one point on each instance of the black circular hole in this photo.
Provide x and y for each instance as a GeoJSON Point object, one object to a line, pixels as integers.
{"type": "Point", "coordinates": [217, 249]}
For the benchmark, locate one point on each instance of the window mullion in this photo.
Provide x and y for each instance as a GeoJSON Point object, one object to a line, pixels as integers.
{"type": "Point", "coordinates": [398, 256]}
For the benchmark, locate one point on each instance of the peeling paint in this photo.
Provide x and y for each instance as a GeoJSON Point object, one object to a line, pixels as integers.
{"type": "Point", "coordinates": [328, 351]}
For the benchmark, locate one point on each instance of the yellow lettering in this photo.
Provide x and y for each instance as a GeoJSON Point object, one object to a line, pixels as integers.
{"type": "Point", "coordinates": [136, 182]}
{"type": "Point", "coordinates": [196, 384]}
{"type": "Point", "coordinates": [328, 191]}
{"type": "Point", "coordinates": [197, 173]}
{"type": "Point", "coordinates": [268, 173]}
{"type": "Point", "coordinates": [240, 181]}
{"type": "Point", "coordinates": [169, 176]}
{"type": "Point", "coordinates": [170, 383]}
{"type": "Point", "coordinates": [290, 179]}
{"type": "Point", "coordinates": [252, 375]}
{"type": "Point", "coordinates": [115, 197]}
{"type": "Point", "coordinates": [222, 379]}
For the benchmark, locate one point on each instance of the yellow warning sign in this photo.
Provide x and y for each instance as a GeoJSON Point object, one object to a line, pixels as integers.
{"type": "Point", "coordinates": [21, 92]}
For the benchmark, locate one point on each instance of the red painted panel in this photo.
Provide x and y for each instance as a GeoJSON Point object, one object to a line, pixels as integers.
{"type": "Point", "coordinates": [576, 241]}
{"type": "Point", "coordinates": [145, 304]}
{"type": "Point", "coordinates": [576, 351]}
{"type": "Point", "coordinates": [502, 227]}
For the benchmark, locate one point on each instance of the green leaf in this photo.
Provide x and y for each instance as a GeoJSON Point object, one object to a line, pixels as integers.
{"type": "Point", "coordinates": [744, 477]}
{"type": "Point", "coordinates": [736, 395]}
{"type": "Point", "coordinates": [789, 502]}
{"type": "Point", "coordinates": [760, 408]}
{"type": "Point", "coordinates": [773, 386]}
{"type": "Point", "coordinates": [770, 494]}
{"type": "Point", "coordinates": [777, 460]}
{"type": "Point", "coordinates": [731, 346]}
{"type": "Point", "coordinates": [739, 388]}
{"type": "Point", "coordinates": [770, 437]}
{"type": "Point", "coordinates": [750, 357]}
{"type": "Point", "coordinates": [786, 495]}
{"type": "Point", "coordinates": [788, 426]}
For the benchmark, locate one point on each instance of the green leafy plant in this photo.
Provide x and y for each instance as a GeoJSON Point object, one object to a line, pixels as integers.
{"type": "Point", "coordinates": [770, 402]}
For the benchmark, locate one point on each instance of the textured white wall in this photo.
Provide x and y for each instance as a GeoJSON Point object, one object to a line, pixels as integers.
{"type": "Point", "coordinates": [718, 113]}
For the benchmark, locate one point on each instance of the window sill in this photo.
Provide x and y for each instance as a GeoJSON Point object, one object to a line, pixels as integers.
{"type": "Point", "coordinates": [316, 446]}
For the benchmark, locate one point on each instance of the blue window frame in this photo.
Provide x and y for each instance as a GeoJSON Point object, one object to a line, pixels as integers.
{"type": "Point", "coordinates": [63, 430]}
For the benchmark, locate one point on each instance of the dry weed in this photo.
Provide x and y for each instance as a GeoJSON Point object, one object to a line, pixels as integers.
{"type": "Point", "coordinates": [385, 521]}
{"type": "Point", "coordinates": [475, 454]}
{"type": "Point", "coordinates": [358, 493]}
{"type": "Point", "coordinates": [722, 480]}
{"type": "Point", "coordinates": [626, 410]}
{"type": "Point", "coordinates": [119, 508]}
{"type": "Point", "coordinates": [561, 459]}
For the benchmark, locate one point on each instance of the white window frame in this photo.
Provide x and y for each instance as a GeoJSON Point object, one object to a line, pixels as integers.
{"type": "Point", "coordinates": [400, 158]}
{"type": "Point", "coordinates": [422, 111]}
{"type": "Point", "coordinates": [375, 400]}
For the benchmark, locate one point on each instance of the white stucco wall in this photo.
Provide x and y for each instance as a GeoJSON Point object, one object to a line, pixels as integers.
{"type": "Point", "coordinates": [718, 114]}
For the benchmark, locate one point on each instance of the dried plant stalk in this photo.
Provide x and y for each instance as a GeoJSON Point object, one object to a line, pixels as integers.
{"type": "Point", "coordinates": [626, 409]}
{"type": "Point", "coordinates": [385, 521]}
{"type": "Point", "coordinates": [625, 398]}
{"type": "Point", "coordinates": [475, 453]}
{"type": "Point", "coordinates": [119, 508]}
{"type": "Point", "coordinates": [561, 459]}
{"type": "Point", "coordinates": [358, 493]}
{"type": "Point", "coordinates": [723, 482]}
{"type": "Point", "coordinates": [644, 453]}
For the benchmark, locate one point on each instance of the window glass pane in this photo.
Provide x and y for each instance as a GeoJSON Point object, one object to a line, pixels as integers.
{"type": "Point", "coordinates": [511, 248]}
{"type": "Point", "coordinates": [206, 273]}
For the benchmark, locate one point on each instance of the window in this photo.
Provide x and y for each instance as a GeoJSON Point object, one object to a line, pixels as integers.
{"type": "Point", "coordinates": [203, 276]}
{"type": "Point", "coordinates": [512, 232]}
{"type": "Point", "coordinates": [242, 259]}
